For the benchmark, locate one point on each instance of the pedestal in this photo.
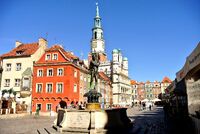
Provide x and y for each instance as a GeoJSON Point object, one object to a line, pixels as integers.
{"type": "Point", "coordinates": [93, 121]}
{"type": "Point", "coordinates": [93, 106]}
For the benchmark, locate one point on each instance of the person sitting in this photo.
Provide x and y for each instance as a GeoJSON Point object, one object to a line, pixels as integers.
{"type": "Point", "coordinates": [63, 105]}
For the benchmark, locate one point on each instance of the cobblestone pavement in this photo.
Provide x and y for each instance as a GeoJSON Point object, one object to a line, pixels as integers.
{"type": "Point", "coordinates": [27, 125]}
{"type": "Point", "coordinates": [145, 122]}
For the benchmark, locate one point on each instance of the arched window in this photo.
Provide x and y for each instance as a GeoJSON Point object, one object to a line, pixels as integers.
{"type": "Point", "coordinates": [95, 35]}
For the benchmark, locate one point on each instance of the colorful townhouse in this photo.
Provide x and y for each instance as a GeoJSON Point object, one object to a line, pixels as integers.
{"type": "Point", "coordinates": [164, 84]}
{"type": "Point", "coordinates": [17, 67]}
{"type": "Point", "coordinates": [105, 88]}
{"type": "Point", "coordinates": [149, 90]}
{"type": "Point", "coordinates": [57, 75]}
{"type": "Point", "coordinates": [134, 85]}
{"type": "Point", "coordinates": [141, 91]}
{"type": "Point", "coordinates": [156, 89]}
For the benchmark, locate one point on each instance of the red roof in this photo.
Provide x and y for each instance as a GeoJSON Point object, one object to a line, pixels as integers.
{"type": "Point", "coordinates": [22, 50]}
{"type": "Point", "coordinates": [141, 83]}
{"type": "Point", "coordinates": [166, 80]}
{"type": "Point", "coordinates": [133, 82]}
{"type": "Point", "coordinates": [104, 76]}
{"type": "Point", "coordinates": [148, 82]}
{"type": "Point", "coordinates": [68, 55]}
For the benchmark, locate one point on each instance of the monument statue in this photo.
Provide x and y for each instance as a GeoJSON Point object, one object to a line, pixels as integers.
{"type": "Point", "coordinates": [93, 95]}
{"type": "Point", "coordinates": [93, 68]}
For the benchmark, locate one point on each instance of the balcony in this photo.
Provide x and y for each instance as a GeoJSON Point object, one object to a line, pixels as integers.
{"type": "Point", "coordinates": [25, 92]}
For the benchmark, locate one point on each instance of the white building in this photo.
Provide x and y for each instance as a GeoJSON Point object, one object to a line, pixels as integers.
{"type": "Point", "coordinates": [18, 66]}
{"type": "Point", "coordinates": [116, 69]}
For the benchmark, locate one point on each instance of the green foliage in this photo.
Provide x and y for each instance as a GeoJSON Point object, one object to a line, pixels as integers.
{"type": "Point", "coordinates": [10, 91]}
{"type": "Point", "coordinates": [14, 93]}
{"type": "Point", "coordinates": [4, 91]}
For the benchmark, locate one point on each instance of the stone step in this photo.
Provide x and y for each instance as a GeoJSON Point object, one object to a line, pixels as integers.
{"type": "Point", "coordinates": [41, 131]}
{"type": "Point", "coordinates": [50, 130]}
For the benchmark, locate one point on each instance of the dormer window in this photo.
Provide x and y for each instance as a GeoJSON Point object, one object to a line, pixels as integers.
{"type": "Point", "coordinates": [20, 52]}
{"type": "Point", "coordinates": [55, 56]}
{"type": "Point", "coordinates": [48, 57]}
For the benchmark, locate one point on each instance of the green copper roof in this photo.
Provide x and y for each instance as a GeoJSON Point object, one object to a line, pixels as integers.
{"type": "Point", "coordinates": [125, 58]}
{"type": "Point", "coordinates": [115, 51]}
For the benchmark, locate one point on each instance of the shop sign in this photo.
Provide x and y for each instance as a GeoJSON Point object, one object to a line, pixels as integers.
{"type": "Point", "coordinates": [193, 92]}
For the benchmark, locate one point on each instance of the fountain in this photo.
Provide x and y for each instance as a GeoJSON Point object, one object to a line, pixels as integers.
{"type": "Point", "coordinates": [93, 119]}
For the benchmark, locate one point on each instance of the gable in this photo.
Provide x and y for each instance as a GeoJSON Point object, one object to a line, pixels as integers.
{"type": "Point", "coordinates": [52, 57]}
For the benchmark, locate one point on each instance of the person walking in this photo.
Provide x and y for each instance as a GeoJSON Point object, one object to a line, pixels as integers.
{"type": "Point", "coordinates": [150, 107]}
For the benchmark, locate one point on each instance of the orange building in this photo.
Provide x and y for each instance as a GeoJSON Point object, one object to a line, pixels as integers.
{"type": "Point", "coordinates": [56, 76]}
{"type": "Point", "coordinates": [141, 91]}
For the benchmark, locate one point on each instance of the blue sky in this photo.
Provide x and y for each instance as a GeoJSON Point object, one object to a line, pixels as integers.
{"type": "Point", "coordinates": [155, 35]}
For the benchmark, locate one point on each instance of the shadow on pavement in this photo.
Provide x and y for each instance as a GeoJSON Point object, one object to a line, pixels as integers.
{"type": "Point", "coordinates": [157, 122]}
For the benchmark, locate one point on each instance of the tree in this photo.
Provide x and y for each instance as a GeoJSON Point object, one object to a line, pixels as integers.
{"type": "Point", "coordinates": [10, 91]}
{"type": "Point", "coordinates": [4, 92]}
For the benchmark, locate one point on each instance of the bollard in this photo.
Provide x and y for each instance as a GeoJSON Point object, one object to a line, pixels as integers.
{"type": "Point", "coordinates": [6, 111]}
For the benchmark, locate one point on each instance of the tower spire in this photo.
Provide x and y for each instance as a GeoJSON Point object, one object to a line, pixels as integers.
{"type": "Point", "coordinates": [97, 10]}
{"type": "Point", "coordinates": [97, 42]}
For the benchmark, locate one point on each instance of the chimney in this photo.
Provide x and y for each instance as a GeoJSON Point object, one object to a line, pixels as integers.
{"type": "Point", "coordinates": [71, 52]}
{"type": "Point", "coordinates": [61, 46]}
{"type": "Point", "coordinates": [43, 43]}
{"type": "Point", "coordinates": [18, 43]}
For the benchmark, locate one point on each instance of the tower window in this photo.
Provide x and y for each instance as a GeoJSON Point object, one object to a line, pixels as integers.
{"type": "Point", "coordinates": [95, 35]}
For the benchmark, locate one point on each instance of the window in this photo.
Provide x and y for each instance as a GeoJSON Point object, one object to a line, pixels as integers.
{"type": "Point", "coordinates": [18, 66]}
{"type": "Point", "coordinates": [48, 107]}
{"type": "Point", "coordinates": [49, 88]}
{"type": "Point", "coordinates": [7, 83]}
{"type": "Point", "coordinates": [75, 88]}
{"type": "Point", "coordinates": [95, 35]}
{"type": "Point", "coordinates": [55, 56]}
{"type": "Point", "coordinates": [8, 67]}
{"type": "Point", "coordinates": [59, 88]}
{"type": "Point", "coordinates": [49, 72]}
{"type": "Point", "coordinates": [39, 106]}
{"type": "Point", "coordinates": [26, 82]}
{"type": "Point", "coordinates": [48, 57]}
{"type": "Point", "coordinates": [17, 82]}
{"type": "Point", "coordinates": [38, 88]}
{"type": "Point", "coordinates": [60, 72]}
{"type": "Point", "coordinates": [40, 73]}
{"type": "Point", "coordinates": [75, 73]}
{"type": "Point", "coordinates": [20, 52]}
{"type": "Point", "coordinates": [81, 77]}
{"type": "Point", "coordinates": [81, 90]}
